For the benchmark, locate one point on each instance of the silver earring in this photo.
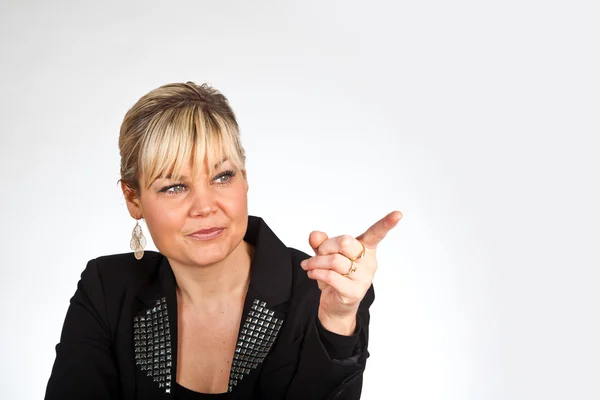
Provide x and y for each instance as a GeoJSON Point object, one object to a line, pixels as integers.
{"type": "Point", "coordinates": [138, 241]}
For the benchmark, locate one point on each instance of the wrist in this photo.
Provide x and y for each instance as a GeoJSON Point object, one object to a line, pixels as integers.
{"type": "Point", "coordinates": [342, 324]}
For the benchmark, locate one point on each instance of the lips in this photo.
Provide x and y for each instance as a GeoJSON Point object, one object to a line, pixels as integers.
{"type": "Point", "coordinates": [205, 231]}
{"type": "Point", "coordinates": [207, 234]}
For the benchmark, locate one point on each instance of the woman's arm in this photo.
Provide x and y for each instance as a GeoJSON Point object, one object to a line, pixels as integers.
{"type": "Point", "coordinates": [84, 367]}
{"type": "Point", "coordinates": [344, 268]}
{"type": "Point", "coordinates": [321, 372]}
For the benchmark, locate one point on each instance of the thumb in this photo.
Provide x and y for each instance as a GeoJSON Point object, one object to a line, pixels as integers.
{"type": "Point", "coordinates": [316, 239]}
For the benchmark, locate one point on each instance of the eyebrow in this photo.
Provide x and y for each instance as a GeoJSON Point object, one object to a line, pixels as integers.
{"type": "Point", "coordinates": [217, 165]}
{"type": "Point", "coordinates": [184, 177]}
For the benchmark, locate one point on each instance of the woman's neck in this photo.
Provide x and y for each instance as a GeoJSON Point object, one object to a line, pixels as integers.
{"type": "Point", "coordinates": [207, 287]}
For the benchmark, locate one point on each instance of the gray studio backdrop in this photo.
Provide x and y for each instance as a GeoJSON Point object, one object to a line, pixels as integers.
{"type": "Point", "coordinates": [478, 120]}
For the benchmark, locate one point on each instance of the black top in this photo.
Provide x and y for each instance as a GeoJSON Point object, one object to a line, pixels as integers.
{"type": "Point", "coordinates": [119, 339]}
{"type": "Point", "coordinates": [184, 393]}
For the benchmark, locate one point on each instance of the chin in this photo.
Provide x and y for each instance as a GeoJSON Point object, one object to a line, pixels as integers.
{"type": "Point", "coordinates": [207, 255]}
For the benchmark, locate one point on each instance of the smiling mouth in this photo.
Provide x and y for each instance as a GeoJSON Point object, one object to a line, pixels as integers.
{"type": "Point", "coordinates": [207, 234]}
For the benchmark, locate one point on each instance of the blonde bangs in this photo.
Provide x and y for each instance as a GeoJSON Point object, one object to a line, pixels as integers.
{"type": "Point", "coordinates": [176, 136]}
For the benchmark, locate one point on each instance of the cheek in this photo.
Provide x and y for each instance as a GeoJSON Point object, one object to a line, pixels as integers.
{"type": "Point", "coordinates": [163, 221]}
{"type": "Point", "coordinates": [237, 205]}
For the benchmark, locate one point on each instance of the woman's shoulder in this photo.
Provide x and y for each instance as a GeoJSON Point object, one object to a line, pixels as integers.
{"type": "Point", "coordinates": [114, 271]}
{"type": "Point", "coordinates": [128, 260]}
{"type": "Point", "coordinates": [126, 263]}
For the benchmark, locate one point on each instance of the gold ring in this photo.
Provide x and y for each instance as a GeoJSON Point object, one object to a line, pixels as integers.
{"type": "Point", "coordinates": [353, 259]}
{"type": "Point", "coordinates": [361, 255]}
{"type": "Point", "coordinates": [352, 268]}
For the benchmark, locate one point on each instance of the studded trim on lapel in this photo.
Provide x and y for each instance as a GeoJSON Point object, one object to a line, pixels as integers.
{"type": "Point", "coordinates": [152, 343]}
{"type": "Point", "coordinates": [155, 354]}
{"type": "Point", "coordinates": [257, 335]}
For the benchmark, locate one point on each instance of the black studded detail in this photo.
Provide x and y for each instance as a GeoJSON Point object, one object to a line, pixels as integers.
{"type": "Point", "coordinates": [257, 336]}
{"type": "Point", "coordinates": [152, 343]}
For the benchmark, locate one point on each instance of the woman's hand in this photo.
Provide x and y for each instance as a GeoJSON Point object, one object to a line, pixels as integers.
{"type": "Point", "coordinates": [344, 282]}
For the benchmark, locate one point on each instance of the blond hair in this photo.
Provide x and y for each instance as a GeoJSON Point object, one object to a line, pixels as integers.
{"type": "Point", "coordinates": [173, 125]}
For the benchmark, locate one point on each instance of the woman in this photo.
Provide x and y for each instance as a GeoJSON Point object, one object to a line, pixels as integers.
{"type": "Point", "coordinates": [225, 310]}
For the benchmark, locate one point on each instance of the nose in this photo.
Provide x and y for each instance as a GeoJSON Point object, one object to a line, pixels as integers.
{"type": "Point", "coordinates": [203, 201]}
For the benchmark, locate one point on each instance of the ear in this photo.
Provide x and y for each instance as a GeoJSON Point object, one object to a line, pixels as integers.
{"type": "Point", "coordinates": [134, 205]}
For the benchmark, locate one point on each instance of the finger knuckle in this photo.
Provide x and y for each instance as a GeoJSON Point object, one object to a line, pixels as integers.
{"type": "Point", "coordinates": [338, 261]}
{"type": "Point", "coordinates": [346, 242]}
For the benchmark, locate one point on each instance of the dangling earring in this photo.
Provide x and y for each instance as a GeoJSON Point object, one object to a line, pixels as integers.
{"type": "Point", "coordinates": [138, 241]}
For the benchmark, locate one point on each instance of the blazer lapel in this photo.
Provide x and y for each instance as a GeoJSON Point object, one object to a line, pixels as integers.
{"type": "Point", "coordinates": [258, 332]}
{"type": "Point", "coordinates": [155, 335]}
{"type": "Point", "coordinates": [265, 305]}
{"type": "Point", "coordinates": [271, 273]}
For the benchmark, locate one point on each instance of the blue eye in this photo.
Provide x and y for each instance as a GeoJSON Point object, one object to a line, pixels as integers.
{"type": "Point", "coordinates": [173, 189]}
{"type": "Point", "coordinates": [225, 177]}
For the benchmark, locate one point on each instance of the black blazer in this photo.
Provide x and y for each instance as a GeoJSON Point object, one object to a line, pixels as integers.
{"type": "Point", "coordinates": [119, 339]}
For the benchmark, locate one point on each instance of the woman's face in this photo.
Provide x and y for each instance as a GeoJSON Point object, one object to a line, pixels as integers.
{"type": "Point", "coordinates": [175, 212]}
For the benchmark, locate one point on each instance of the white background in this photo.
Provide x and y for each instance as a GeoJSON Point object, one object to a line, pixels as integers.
{"type": "Point", "coordinates": [478, 120]}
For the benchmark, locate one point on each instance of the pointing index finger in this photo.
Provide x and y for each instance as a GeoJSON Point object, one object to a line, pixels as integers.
{"type": "Point", "coordinates": [375, 234]}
